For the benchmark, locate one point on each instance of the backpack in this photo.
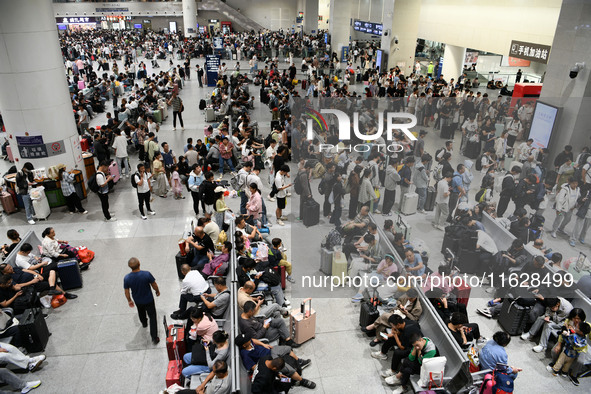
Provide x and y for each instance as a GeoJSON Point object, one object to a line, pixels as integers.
{"type": "Point", "coordinates": [322, 187]}
{"type": "Point", "coordinates": [438, 172]}
{"type": "Point", "coordinates": [298, 187]}
{"type": "Point", "coordinates": [237, 181]}
{"type": "Point", "coordinates": [437, 152]}
{"type": "Point", "coordinates": [503, 383]}
{"type": "Point", "coordinates": [480, 195]}
{"type": "Point", "coordinates": [479, 163]}
{"type": "Point", "coordinates": [93, 184]}
{"type": "Point", "coordinates": [334, 238]}
{"type": "Point", "coordinates": [133, 182]}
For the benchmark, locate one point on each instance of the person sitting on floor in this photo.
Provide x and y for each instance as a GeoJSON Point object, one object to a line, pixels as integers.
{"type": "Point", "coordinates": [494, 353]}
{"type": "Point", "coordinates": [252, 351]}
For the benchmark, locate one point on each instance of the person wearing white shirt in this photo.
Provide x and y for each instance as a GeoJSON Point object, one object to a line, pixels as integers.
{"type": "Point", "coordinates": [25, 260]}
{"type": "Point", "coordinates": [469, 128]}
{"type": "Point", "coordinates": [142, 180]}
{"type": "Point", "coordinates": [566, 202]}
{"type": "Point", "coordinates": [120, 146]}
{"type": "Point", "coordinates": [442, 201]}
{"type": "Point", "coordinates": [192, 287]}
{"type": "Point", "coordinates": [281, 193]}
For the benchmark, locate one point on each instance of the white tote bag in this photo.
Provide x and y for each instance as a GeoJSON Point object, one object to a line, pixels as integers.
{"type": "Point", "coordinates": [432, 372]}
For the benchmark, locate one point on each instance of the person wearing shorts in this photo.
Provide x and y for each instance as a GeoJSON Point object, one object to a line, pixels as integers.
{"type": "Point", "coordinates": [281, 185]}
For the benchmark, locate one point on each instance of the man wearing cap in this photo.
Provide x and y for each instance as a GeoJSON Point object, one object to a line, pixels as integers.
{"type": "Point", "coordinates": [252, 351]}
{"type": "Point", "coordinates": [226, 148]}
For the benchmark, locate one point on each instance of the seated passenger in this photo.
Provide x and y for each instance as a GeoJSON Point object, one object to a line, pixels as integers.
{"type": "Point", "coordinates": [422, 348]}
{"type": "Point", "coordinates": [258, 327]}
{"type": "Point", "coordinates": [200, 328]}
{"type": "Point", "coordinates": [219, 304]}
{"type": "Point", "coordinates": [413, 263]}
{"type": "Point", "coordinates": [494, 353]}
{"type": "Point", "coordinates": [367, 250]}
{"type": "Point", "coordinates": [557, 310]}
{"type": "Point", "coordinates": [217, 265]}
{"type": "Point", "coordinates": [192, 287]}
{"type": "Point", "coordinates": [252, 351]}
{"type": "Point", "coordinates": [462, 331]}
{"type": "Point", "coordinates": [407, 306]}
{"type": "Point", "coordinates": [204, 354]}
{"type": "Point", "coordinates": [399, 339]}
{"type": "Point", "coordinates": [384, 270]}
{"type": "Point", "coordinates": [277, 258]}
{"type": "Point", "coordinates": [217, 382]}
{"type": "Point", "coordinates": [269, 310]}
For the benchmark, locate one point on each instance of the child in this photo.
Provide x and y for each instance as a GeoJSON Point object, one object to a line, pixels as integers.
{"type": "Point", "coordinates": [175, 182]}
{"type": "Point", "coordinates": [575, 342]}
{"type": "Point", "coordinates": [277, 257]}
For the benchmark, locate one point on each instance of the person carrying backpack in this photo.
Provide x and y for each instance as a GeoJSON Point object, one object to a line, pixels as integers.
{"type": "Point", "coordinates": [141, 181]}
{"type": "Point", "coordinates": [24, 180]}
{"type": "Point", "coordinates": [102, 180]}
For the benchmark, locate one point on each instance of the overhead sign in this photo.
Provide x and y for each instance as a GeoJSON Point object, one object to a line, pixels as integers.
{"type": "Point", "coordinates": [112, 10]}
{"type": "Point", "coordinates": [530, 51]}
{"type": "Point", "coordinates": [76, 20]}
{"type": "Point", "coordinates": [368, 27]}
{"type": "Point", "coordinates": [214, 20]}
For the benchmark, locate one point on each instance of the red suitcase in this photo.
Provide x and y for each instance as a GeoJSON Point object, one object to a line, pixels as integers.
{"type": "Point", "coordinates": [7, 203]}
{"type": "Point", "coordinates": [84, 145]}
{"type": "Point", "coordinates": [174, 371]}
{"type": "Point", "coordinates": [281, 272]}
{"type": "Point", "coordinates": [175, 334]}
{"type": "Point", "coordinates": [304, 84]}
{"type": "Point", "coordinates": [463, 293]}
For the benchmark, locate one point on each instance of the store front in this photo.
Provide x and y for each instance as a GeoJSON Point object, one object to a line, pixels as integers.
{"type": "Point", "coordinates": [76, 23]}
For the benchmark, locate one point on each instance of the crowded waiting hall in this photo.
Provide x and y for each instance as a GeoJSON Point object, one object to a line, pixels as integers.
{"type": "Point", "coordinates": [311, 196]}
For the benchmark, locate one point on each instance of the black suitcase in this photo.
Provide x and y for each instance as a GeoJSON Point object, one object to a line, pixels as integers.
{"type": "Point", "coordinates": [69, 274]}
{"type": "Point", "coordinates": [369, 313]}
{"type": "Point", "coordinates": [513, 317]}
{"type": "Point", "coordinates": [447, 132]}
{"type": "Point", "coordinates": [311, 213]}
{"type": "Point", "coordinates": [430, 202]}
{"type": "Point", "coordinates": [180, 260]}
{"type": "Point", "coordinates": [472, 150]}
{"type": "Point", "coordinates": [33, 330]}
{"type": "Point", "coordinates": [469, 262]}
{"type": "Point", "coordinates": [451, 243]}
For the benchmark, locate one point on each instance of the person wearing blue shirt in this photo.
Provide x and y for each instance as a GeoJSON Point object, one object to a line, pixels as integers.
{"type": "Point", "coordinates": [139, 284]}
{"type": "Point", "coordinates": [413, 263]}
{"type": "Point", "coordinates": [494, 353]}
{"type": "Point", "coordinates": [457, 190]}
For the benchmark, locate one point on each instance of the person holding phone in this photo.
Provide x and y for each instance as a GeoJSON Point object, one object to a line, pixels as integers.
{"type": "Point", "coordinates": [258, 327]}
{"type": "Point", "coordinates": [102, 181]}
{"type": "Point", "coordinates": [281, 185]}
{"type": "Point", "coordinates": [494, 353]}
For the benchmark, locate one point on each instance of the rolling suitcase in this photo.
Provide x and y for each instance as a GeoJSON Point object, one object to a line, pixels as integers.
{"type": "Point", "coordinates": [304, 84]}
{"type": "Point", "coordinates": [7, 203]}
{"type": "Point", "coordinates": [33, 330]}
{"type": "Point", "coordinates": [409, 203]}
{"type": "Point", "coordinates": [157, 115]}
{"type": "Point", "coordinates": [175, 340]}
{"type": "Point", "coordinates": [369, 311]}
{"type": "Point", "coordinates": [311, 213]}
{"type": "Point", "coordinates": [472, 150]}
{"type": "Point", "coordinates": [114, 171]}
{"type": "Point", "coordinates": [463, 293]}
{"type": "Point", "coordinates": [447, 132]}
{"type": "Point", "coordinates": [513, 317]}
{"type": "Point", "coordinates": [180, 260]}
{"type": "Point", "coordinates": [173, 373]}
{"type": "Point", "coordinates": [430, 202]}
{"type": "Point", "coordinates": [326, 261]}
{"type": "Point", "coordinates": [209, 114]}
{"type": "Point", "coordinates": [280, 270]}
{"type": "Point", "coordinates": [339, 267]}
{"type": "Point", "coordinates": [401, 226]}
{"type": "Point", "coordinates": [303, 322]}
{"type": "Point", "coordinates": [69, 274]}
{"type": "Point", "coordinates": [469, 262]}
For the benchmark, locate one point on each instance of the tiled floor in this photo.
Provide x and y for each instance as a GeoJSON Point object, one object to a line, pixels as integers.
{"type": "Point", "coordinates": [98, 344]}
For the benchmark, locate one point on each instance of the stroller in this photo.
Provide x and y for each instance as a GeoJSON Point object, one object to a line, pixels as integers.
{"type": "Point", "coordinates": [155, 64]}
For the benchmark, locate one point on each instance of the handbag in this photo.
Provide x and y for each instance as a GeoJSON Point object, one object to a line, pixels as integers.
{"type": "Point", "coordinates": [377, 192]}
{"type": "Point", "coordinates": [432, 372]}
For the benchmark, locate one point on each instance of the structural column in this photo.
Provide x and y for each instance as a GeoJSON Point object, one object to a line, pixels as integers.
{"type": "Point", "coordinates": [405, 27]}
{"type": "Point", "coordinates": [310, 16]}
{"type": "Point", "coordinates": [572, 44]}
{"type": "Point", "coordinates": [387, 36]}
{"type": "Point", "coordinates": [190, 18]}
{"type": "Point", "coordinates": [453, 62]}
{"type": "Point", "coordinates": [339, 24]}
{"type": "Point", "coordinates": [34, 95]}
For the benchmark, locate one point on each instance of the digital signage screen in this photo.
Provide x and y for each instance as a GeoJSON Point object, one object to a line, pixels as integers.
{"type": "Point", "coordinates": [368, 27]}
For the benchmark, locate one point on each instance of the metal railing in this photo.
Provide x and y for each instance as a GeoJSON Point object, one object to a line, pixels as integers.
{"type": "Point", "coordinates": [234, 353]}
